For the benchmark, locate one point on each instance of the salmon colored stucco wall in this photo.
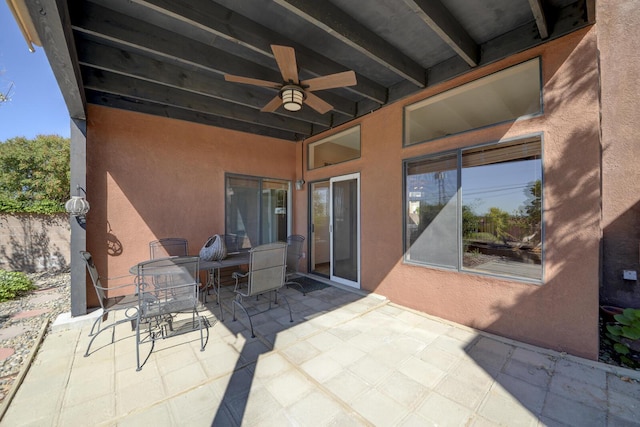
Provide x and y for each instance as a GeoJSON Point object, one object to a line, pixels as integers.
{"type": "Point", "coordinates": [620, 74]}
{"type": "Point", "coordinates": [149, 177]}
{"type": "Point", "coordinates": [562, 313]}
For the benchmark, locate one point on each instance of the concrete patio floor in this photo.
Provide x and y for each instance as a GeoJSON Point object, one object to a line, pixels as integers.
{"type": "Point", "coordinates": [348, 359]}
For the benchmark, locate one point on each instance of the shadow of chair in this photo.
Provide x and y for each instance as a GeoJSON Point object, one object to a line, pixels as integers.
{"type": "Point", "coordinates": [127, 302]}
{"type": "Point", "coordinates": [267, 264]}
{"type": "Point", "coordinates": [170, 246]}
{"type": "Point", "coordinates": [294, 255]}
{"type": "Point", "coordinates": [161, 301]}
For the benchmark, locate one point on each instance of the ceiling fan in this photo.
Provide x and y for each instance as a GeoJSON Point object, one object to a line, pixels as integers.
{"type": "Point", "coordinates": [293, 91]}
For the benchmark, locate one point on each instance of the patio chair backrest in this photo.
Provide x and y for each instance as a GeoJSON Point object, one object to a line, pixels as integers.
{"type": "Point", "coordinates": [294, 252]}
{"type": "Point", "coordinates": [170, 246]}
{"type": "Point", "coordinates": [267, 266]}
{"type": "Point", "coordinates": [177, 291]}
{"type": "Point", "coordinates": [95, 277]}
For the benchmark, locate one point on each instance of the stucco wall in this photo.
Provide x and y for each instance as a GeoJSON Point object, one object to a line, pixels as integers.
{"type": "Point", "coordinates": [562, 313]}
{"type": "Point", "coordinates": [620, 73]}
{"type": "Point", "coordinates": [32, 243]}
{"type": "Point", "coordinates": [150, 177]}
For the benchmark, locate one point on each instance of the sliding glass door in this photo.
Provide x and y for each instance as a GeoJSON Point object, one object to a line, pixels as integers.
{"type": "Point", "coordinates": [256, 210]}
{"type": "Point", "coordinates": [335, 229]}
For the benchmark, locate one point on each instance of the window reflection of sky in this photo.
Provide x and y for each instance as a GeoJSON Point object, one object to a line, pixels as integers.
{"type": "Point", "coordinates": [501, 185]}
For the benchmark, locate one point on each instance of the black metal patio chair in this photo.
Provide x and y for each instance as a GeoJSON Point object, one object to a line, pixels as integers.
{"type": "Point", "coordinates": [126, 302]}
{"type": "Point", "coordinates": [267, 264]}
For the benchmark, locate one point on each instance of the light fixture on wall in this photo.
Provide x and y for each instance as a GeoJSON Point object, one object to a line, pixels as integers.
{"type": "Point", "coordinates": [300, 182]}
{"type": "Point", "coordinates": [292, 97]}
{"type": "Point", "coordinates": [77, 206]}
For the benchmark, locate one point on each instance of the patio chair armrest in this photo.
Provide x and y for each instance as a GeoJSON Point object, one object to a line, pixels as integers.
{"type": "Point", "coordinates": [111, 288]}
{"type": "Point", "coordinates": [237, 276]}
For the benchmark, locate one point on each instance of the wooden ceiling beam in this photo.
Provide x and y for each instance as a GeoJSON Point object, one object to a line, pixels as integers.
{"type": "Point", "coordinates": [138, 66]}
{"type": "Point", "coordinates": [152, 108]}
{"type": "Point", "coordinates": [116, 28]}
{"type": "Point", "coordinates": [229, 25]}
{"type": "Point", "coordinates": [343, 27]}
{"type": "Point", "coordinates": [51, 20]}
{"type": "Point", "coordinates": [115, 84]}
{"type": "Point", "coordinates": [440, 20]}
{"type": "Point", "coordinates": [541, 21]}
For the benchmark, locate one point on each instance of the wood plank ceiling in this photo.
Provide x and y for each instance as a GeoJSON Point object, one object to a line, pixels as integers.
{"type": "Point", "coordinates": [168, 57]}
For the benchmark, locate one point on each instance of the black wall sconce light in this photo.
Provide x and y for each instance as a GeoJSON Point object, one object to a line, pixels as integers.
{"type": "Point", "coordinates": [77, 206]}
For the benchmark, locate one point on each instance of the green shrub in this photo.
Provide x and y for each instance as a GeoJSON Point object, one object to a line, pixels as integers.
{"type": "Point", "coordinates": [13, 284]}
{"type": "Point", "coordinates": [625, 333]}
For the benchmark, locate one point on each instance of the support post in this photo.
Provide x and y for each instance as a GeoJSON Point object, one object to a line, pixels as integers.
{"type": "Point", "coordinates": [78, 163]}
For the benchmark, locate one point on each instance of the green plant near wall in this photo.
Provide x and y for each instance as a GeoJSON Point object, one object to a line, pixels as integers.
{"type": "Point", "coordinates": [14, 284]}
{"type": "Point", "coordinates": [625, 333]}
{"type": "Point", "coordinates": [34, 174]}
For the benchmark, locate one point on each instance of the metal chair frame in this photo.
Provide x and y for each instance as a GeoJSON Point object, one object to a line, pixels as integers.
{"type": "Point", "coordinates": [294, 255]}
{"type": "Point", "coordinates": [159, 301]}
{"type": "Point", "coordinates": [127, 303]}
{"type": "Point", "coordinates": [169, 246]}
{"type": "Point", "coordinates": [267, 264]}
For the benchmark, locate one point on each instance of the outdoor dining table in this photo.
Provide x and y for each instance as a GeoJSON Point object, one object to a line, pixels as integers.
{"type": "Point", "coordinates": [213, 272]}
{"type": "Point", "coordinates": [211, 267]}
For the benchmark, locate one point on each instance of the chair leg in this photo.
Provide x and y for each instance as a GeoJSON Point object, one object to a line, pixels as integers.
{"type": "Point", "coordinates": [113, 335]}
{"type": "Point", "coordinates": [138, 341]}
{"type": "Point", "coordinates": [288, 306]}
{"type": "Point", "coordinates": [292, 283]}
{"type": "Point", "coordinates": [235, 301]}
{"type": "Point", "coordinates": [98, 321]}
{"type": "Point", "coordinates": [138, 367]}
{"type": "Point", "coordinates": [86, 353]}
{"type": "Point", "coordinates": [202, 321]}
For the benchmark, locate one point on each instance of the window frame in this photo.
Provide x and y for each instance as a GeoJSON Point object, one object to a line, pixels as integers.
{"type": "Point", "coordinates": [330, 138]}
{"type": "Point", "coordinates": [260, 180]}
{"type": "Point", "coordinates": [459, 232]}
{"type": "Point", "coordinates": [407, 109]}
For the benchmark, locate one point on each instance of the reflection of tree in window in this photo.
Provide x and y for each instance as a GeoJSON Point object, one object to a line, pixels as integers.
{"type": "Point", "coordinates": [500, 216]}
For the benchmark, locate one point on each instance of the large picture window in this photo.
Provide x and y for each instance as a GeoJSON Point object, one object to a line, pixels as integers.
{"type": "Point", "coordinates": [512, 93]}
{"type": "Point", "coordinates": [256, 210]}
{"type": "Point", "coordinates": [477, 209]}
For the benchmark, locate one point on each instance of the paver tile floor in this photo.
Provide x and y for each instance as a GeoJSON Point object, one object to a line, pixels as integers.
{"type": "Point", "coordinates": [348, 359]}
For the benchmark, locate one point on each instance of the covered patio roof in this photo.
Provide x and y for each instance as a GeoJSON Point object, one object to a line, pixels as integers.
{"type": "Point", "coordinates": [169, 58]}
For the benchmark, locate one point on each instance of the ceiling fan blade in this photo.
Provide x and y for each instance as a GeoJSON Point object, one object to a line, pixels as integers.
{"type": "Point", "coordinates": [250, 81]}
{"type": "Point", "coordinates": [317, 104]}
{"type": "Point", "coordinates": [346, 78]}
{"type": "Point", "coordinates": [272, 105]}
{"type": "Point", "coordinates": [286, 59]}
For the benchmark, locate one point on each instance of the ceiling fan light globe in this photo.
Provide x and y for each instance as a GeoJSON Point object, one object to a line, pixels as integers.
{"type": "Point", "coordinates": [292, 98]}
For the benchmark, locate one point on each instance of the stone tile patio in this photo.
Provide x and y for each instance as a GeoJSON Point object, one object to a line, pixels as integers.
{"type": "Point", "coordinates": [347, 359]}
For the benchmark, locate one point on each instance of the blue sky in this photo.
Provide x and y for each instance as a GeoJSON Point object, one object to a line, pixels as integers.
{"type": "Point", "coordinates": [36, 105]}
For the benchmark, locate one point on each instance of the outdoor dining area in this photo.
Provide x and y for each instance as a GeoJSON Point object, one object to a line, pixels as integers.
{"type": "Point", "coordinates": [165, 295]}
{"type": "Point", "coordinates": [347, 358]}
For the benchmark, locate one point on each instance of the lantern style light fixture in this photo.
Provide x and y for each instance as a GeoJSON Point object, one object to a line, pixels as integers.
{"type": "Point", "coordinates": [77, 206]}
{"type": "Point", "coordinates": [292, 97]}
